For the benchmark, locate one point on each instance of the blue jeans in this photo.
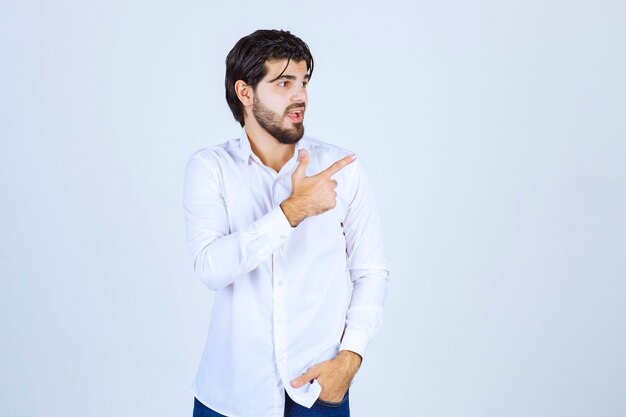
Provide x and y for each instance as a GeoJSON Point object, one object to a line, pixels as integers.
{"type": "Point", "coordinates": [320, 408]}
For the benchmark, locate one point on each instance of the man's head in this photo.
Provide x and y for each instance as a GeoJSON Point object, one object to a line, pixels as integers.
{"type": "Point", "coordinates": [266, 76]}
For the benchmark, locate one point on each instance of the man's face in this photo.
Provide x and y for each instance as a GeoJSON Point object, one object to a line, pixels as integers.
{"type": "Point", "coordinates": [279, 102]}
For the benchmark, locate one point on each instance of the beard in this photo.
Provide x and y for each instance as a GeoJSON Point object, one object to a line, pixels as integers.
{"type": "Point", "coordinates": [273, 123]}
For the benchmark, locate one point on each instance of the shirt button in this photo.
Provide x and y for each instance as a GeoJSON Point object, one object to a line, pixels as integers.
{"type": "Point", "coordinates": [280, 283]}
{"type": "Point", "coordinates": [282, 236]}
{"type": "Point", "coordinates": [283, 358]}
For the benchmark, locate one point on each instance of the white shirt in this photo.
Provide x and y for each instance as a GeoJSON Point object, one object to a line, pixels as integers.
{"type": "Point", "coordinates": [286, 298]}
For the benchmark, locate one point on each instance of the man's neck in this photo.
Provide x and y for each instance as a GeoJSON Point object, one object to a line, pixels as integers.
{"type": "Point", "coordinates": [269, 150]}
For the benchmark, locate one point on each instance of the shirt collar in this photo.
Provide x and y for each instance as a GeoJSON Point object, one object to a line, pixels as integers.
{"type": "Point", "coordinates": [245, 150]}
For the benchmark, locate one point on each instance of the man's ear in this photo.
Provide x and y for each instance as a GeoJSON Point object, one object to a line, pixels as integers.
{"type": "Point", "coordinates": [244, 93]}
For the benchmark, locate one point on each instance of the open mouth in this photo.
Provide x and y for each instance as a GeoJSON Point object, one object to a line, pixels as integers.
{"type": "Point", "coordinates": [295, 115]}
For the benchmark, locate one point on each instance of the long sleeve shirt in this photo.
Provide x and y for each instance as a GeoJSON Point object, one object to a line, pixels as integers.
{"type": "Point", "coordinates": [286, 298]}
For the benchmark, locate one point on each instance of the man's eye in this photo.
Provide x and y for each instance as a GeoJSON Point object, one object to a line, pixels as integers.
{"type": "Point", "coordinates": [284, 83]}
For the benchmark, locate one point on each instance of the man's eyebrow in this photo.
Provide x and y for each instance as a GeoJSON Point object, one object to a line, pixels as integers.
{"type": "Point", "coordinates": [290, 77]}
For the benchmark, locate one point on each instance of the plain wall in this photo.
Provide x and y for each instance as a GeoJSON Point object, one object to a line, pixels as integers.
{"type": "Point", "coordinates": [495, 137]}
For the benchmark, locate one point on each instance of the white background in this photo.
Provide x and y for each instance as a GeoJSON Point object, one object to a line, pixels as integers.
{"type": "Point", "coordinates": [495, 136]}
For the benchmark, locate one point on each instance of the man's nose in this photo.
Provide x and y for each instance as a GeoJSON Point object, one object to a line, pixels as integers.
{"type": "Point", "coordinates": [299, 95]}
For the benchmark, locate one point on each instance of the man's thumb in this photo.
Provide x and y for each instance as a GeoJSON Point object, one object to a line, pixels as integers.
{"type": "Point", "coordinates": [303, 157]}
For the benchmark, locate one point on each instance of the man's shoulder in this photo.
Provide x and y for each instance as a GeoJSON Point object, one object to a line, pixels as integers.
{"type": "Point", "coordinates": [213, 154]}
{"type": "Point", "coordinates": [317, 146]}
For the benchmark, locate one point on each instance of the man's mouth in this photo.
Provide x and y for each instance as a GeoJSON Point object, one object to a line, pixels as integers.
{"type": "Point", "coordinates": [296, 115]}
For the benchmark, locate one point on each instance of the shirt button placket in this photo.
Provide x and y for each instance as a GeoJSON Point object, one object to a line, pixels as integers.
{"type": "Point", "coordinates": [278, 196]}
{"type": "Point", "coordinates": [280, 289]}
{"type": "Point", "coordinates": [280, 331]}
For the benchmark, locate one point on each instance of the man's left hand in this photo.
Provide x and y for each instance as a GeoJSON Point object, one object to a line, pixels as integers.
{"type": "Point", "coordinates": [334, 375]}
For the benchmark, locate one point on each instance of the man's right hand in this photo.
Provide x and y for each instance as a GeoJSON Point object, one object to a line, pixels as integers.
{"type": "Point", "coordinates": [313, 195]}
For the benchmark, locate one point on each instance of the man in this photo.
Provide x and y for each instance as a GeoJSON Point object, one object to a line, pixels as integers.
{"type": "Point", "coordinates": [284, 229]}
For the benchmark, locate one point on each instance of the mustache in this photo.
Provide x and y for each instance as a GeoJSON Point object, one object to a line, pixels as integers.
{"type": "Point", "coordinates": [295, 106]}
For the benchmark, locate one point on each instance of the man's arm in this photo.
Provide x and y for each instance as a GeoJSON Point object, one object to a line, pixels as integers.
{"type": "Point", "coordinates": [220, 256]}
{"type": "Point", "coordinates": [367, 265]}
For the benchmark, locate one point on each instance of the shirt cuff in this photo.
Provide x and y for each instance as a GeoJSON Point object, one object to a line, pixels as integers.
{"type": "Point", "coordinates": [355, 341]}
{"type": "Point", "coordinates": [275, 226]}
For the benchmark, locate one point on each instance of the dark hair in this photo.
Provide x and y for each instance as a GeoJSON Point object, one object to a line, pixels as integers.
{"type": "Point", "coordinates": [246, 61]}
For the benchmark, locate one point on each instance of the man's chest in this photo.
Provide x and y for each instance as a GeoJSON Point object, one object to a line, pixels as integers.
{"type": "Point", "coordinates": [252, 192]}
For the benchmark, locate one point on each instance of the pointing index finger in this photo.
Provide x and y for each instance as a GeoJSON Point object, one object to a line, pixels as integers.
{"type": "Point", "coordinates": [336, 166]}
